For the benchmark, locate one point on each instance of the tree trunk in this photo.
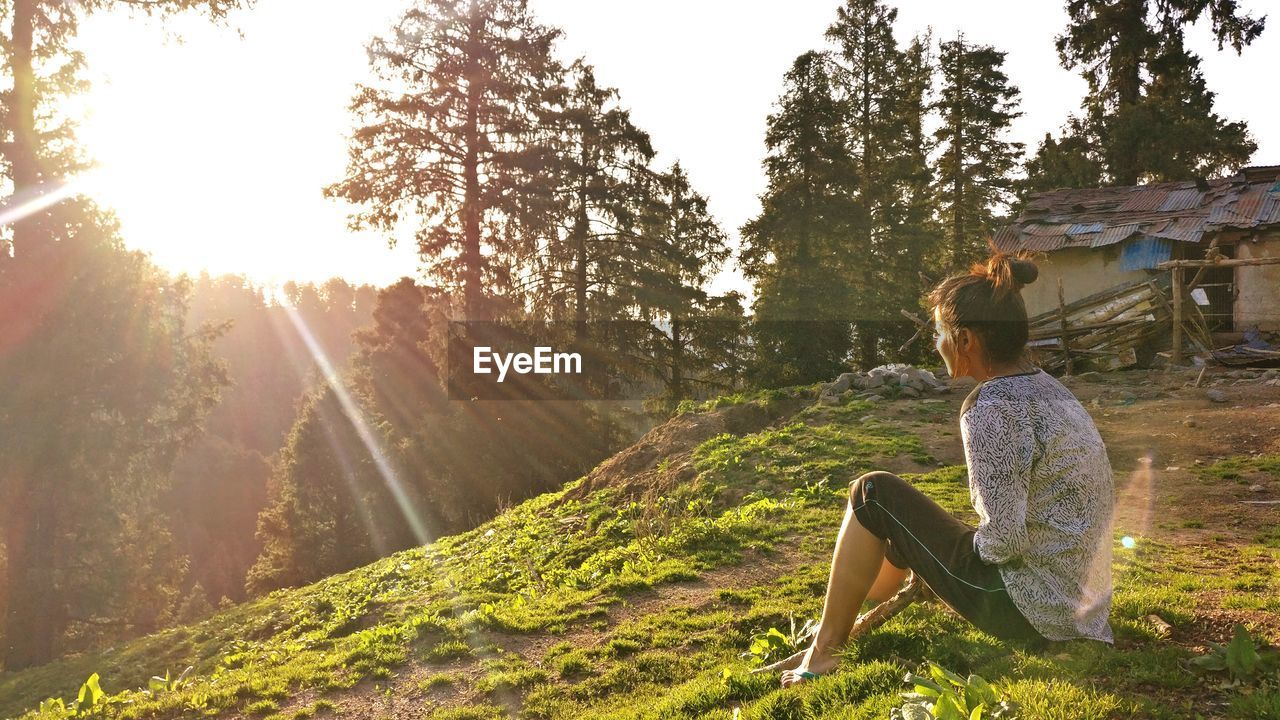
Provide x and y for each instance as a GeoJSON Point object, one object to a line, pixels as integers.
{"type": "Point", "coordinates": [34, 618]}
{"type": "Point", "coordinates": [23, 153]}
{"type": "Point", "coordinates": [677, 362]}
{"type": "Point", "coordinates": [580, 228]}
{"type": "Point", "coordinates": [868, 342]}
{"type": "Point", "coordinates": [472, 274]}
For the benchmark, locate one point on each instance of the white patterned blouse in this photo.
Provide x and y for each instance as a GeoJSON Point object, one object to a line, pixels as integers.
{"type": "Point", "coordinates": [1042, 486]}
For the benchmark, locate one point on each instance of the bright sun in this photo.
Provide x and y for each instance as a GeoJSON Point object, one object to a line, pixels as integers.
{"type": "Point", "coordinates": [213, 151]}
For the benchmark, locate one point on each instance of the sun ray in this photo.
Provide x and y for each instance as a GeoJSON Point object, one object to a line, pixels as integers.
{"type": "Point", "coordinates": [355, 416]}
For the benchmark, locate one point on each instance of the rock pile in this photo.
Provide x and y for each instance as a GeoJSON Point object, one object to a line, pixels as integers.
{"type": "Point", "coordinates": [896, 380]}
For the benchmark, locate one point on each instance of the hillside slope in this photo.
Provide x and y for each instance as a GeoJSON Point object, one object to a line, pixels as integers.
{"type": "Point", "coordinates": [635, 590]}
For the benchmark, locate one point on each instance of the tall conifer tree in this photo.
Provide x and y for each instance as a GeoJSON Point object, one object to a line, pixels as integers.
{"type": "Point", "coordinates": [976, 104]}
{"type": "Point", "coordinates": [450, 137]}
{"type": "Point", "coordinates": [687, 247]}
{"type": "Point", "coordinates": [1148, 115]}
{"type": "Point", "coordinates": [602, 164]}
{"type": "Point", "coordinates": [883, 88]}
{"type": "Point", "coordinates": [797, 251]}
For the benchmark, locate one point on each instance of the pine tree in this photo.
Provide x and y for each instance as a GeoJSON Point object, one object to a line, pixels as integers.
{"type": "Point", "coordinates": [686, 248]}
{"type": "Point", "coordinates": [883, 89]}
{"type": "Point", "coordinates": [602, 169]}
{"type": "Point", "coordinates": [976, 105]}
{"type": "Point", "coordinates": [449, 138]}
{"type": "Point", "coordinates": [91, 423]}
{"type": "Point", "coordinates": [797, 250]}
{"type": "Point", "coordinates": [1148, 115]}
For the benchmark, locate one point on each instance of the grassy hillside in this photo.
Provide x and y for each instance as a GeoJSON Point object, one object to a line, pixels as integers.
{"type": "Point", "coordinates": [634, 592]}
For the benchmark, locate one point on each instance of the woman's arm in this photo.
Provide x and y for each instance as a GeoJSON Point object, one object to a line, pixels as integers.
{"type": "Point", "coordinates": [998, 448]}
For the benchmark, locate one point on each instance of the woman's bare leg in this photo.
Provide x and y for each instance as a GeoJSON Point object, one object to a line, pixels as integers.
{"type": "Point", "coordinates": [888, 582]}
{"type": "Point", "coordinates": [855, 565]}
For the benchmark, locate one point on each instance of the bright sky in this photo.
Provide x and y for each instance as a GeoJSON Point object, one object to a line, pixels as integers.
{"type": "Point", "coordinates": [214, 146]}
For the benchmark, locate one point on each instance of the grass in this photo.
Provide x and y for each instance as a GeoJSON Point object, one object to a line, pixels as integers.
{"type": "Point", "coordinates": [559, 569]}
{"type": "Point", "coordinates": [1240, 467]}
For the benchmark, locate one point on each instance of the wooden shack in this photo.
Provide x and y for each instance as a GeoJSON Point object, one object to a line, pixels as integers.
{"type": "Point", "coordinates": [1099, 238]}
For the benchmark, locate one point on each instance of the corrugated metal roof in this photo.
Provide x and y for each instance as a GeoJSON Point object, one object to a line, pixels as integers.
{"type": "Point", "coordinates": [1181, 211]}
{"type": "Point", "coordinates": [1086, 228]}
{"type": "Point", "coordinates": [1040, 230]}
{"type": "Point", "coordinates": [1115, 234]}
{"type": "Point", "coordinates": [1043, 243]}
{"type": "Point", "coordinates": [1182, 229]}
{"type": "Point", "coordinates": [1145, 253]}
{"type": "Point", "coordinates": [1221, 213]}
{"type": "Point", "coordinates": [1006, 238]}
{"type": "Point", "coordinates": [1249, 204]}
{"type": "Point", "coordinates": [1181, 200]}
{"type": "Point", "coordinates": [1144, 199]}
{"type": "Point", "coordinates": [1270, 212]}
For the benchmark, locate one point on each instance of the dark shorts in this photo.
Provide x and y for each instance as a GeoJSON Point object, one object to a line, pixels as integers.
{"type": "Point", "coordinates": [938, 548]}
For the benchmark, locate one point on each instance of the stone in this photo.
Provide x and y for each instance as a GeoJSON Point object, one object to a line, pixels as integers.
{"type": "Point", "coordinates": [841, 384]}
{"type": "Point", "coordinates": [1256, 488]}
{"type": "Point", "coordinates": [874, 381]}
{"type": "Point", "coordinates": [1091, 376]}
{"type": "Point", "coordinates": [1216, 395]}
{"type": "Point", "coordinates": [829, 399]}
{"type": "Point", "coordinates": [1189, 422]}
{"type": "Point", "coordinates": [908, 391]}
{"type": "Point", "coordinates": [875, 398]}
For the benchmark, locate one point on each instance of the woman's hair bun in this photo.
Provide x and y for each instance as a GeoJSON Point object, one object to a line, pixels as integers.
{"type": "Point", "coordinates": [1025, 271]}
{"type": "Point", "coordinates": [1006, 273]}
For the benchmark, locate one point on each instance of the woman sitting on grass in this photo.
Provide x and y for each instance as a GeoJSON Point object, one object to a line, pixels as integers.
{"type": "Point", "coordinates": [1038, 566]}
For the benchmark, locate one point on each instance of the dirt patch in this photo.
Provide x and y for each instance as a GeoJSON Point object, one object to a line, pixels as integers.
{"type": "Point", "coordinates": [661, 458]}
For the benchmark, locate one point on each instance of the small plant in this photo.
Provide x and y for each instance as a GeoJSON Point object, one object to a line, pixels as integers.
{"type": "Point", "coordinates": [945, 695]}
{"type": "Point", "coordinates": [198, 702]}
{"type": "Point", "coordinates": [160, 685]}
{"type": "Point", "coordinates": [1239, 658]}
{"type": "Point", "coordinates": [91, 700]}
{"type": "Point", "coordinates": [774, 643]}
{"type": "Point", "coordinates": [813, 492]}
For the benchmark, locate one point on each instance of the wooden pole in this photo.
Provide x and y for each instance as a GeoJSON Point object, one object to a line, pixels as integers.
{"type": "Point", "coordinates": [1236, 262]}
{"type": "Point", "coordinates": [1062, 319]}
{"type": "Point", "coordinates": [1176, 357]}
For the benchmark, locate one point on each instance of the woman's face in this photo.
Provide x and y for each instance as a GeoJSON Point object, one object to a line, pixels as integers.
{"type": "Point", "coordinates": [946, 346]}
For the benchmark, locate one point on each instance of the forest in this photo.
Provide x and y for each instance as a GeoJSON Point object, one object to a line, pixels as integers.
{"type": "Point", "coordinates": [171, 445]}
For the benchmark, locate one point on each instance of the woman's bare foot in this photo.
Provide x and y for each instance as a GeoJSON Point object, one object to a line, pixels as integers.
{"type": "Point", "coordinates": [788, 663]}
{"type": "Point", "coordinates": [814, 661]}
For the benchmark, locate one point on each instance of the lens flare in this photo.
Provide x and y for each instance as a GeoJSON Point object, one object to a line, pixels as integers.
{"type": "Point", "coordinates": [41, 197]}
{"type": "Point", "coordinates": [354, 415]}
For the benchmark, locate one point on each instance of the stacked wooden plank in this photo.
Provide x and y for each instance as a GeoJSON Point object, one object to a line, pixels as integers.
{"type": "Point", "coordinates": [1105, 331]}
